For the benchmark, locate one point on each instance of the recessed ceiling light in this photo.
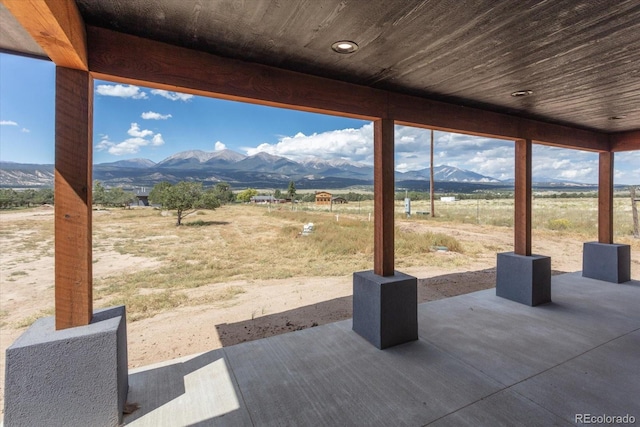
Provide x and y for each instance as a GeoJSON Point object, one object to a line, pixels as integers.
{"type": "Point", "coordinates": [344, 46]}
{"type": "Point", "coordinates": [519, 93]}
{"type": "Point", "coordinates": [617, 117]}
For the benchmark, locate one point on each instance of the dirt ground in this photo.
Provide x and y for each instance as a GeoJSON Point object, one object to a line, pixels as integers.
{"type": "Point", "coordinates": [266, 308]}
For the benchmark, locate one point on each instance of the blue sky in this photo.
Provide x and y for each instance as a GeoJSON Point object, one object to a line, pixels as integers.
{"type": "Point", "coordinates": [138, 122]}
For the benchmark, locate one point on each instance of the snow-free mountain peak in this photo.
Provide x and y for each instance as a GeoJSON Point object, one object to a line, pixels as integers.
{"type": "Point", "coordinates": [227, 155]}
{"type": "Point", "coordinates": [319, 163]}
{"type": "Point", "coordinates": [190, 156]}
{"type": "Point", "coordinates": [447, 173]}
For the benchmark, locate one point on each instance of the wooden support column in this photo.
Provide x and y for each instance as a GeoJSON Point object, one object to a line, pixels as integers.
{"type": "Point", "coordinates": [522, 220]}
{"type": "Point", "coordinates": [605, 198]}
{"type": "Point", "coordinates": [384, 192]}
{"type": "Point", "coordinates": [73, 175]}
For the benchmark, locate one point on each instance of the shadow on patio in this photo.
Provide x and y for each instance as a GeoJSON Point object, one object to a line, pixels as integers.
{"type": "Point", "coordinates": [429, 289]}
{"type": "Point", "coordinates": [480, 360]}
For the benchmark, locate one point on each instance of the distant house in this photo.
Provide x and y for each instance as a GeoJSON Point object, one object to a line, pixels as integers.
{"type": "Point", "coordinates": [143, 198]}
{"type": "Point", "coordinates": [339, 200]}
{"type": "Point", "coordinates": [448, 199]}
{"type": "Point", "coordinates": [323, 198]}
{"type": "Point", "coordinates": [263, 199]}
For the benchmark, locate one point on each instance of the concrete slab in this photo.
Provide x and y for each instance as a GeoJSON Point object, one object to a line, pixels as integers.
{"type": "Point", "coordinates": [602, 381]}
{"type": "Point", "coordinates": [510, 342]}
{"type": "Point", "coordinates": [504, 408]}
{"type": "Point", "coordinates": [480, 360]}
{"type": "Point", "coordinates": [331, 376]}
{"type": "Point", "coordinates": [198, 390]}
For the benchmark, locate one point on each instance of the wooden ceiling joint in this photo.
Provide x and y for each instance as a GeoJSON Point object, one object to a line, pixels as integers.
{"type": "Point", "coordinates": [57, 26]}
{"type": "Point", "coordinates": [625, 141]}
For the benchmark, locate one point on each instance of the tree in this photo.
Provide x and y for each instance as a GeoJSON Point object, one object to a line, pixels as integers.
{"type": "Point", "coordinates": [99, 193]}
{"type": "Point", "coordinates": [223, 192]}
{"type": "Point", "coordinates": [277, 194]}
{"type": "Point", "coordinates": [157, 192]}
{"type": "Point", "coordinates": [291, 191]}
{"type": "Point", "coordinates": [8, 198]}
{"type": "Point", "coordinates": [26, 197]}
{"type": "Point", "coordinates": [118, 197]}
{"type": "Point", "coordinates": [44, 196]}
{"type": "Point", "coordinates": [246, 195]}
{"type": "Point", "coordinates": [184, 198]}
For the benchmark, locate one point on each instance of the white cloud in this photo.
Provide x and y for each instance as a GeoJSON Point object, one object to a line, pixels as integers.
{"type": "Point", "coordinates": [559, 164]}
{"type": "Point", "coordinates": [486, 156]}
{"type": "Point", "coordinates": [353, 144]}
{"type": "Point", "coordinates": [491, 157]}
{"type": "Point", "coordinates": [219, 146]}
{"type": "Point", "coordinates": [25, 130]}
{"type": "Point", "coordinates": [134, 130]}
{"type": "Point", "coordinates": [174, 96]}
{"type": "Point", "coordinates": [627, 168]}
{"type": "Point", "coordinates": [581, 173]}
{"type": "Point", "coordinates": [151, 115]}
{"type": "Point", "coordinates": [403, 167]}
{"type": "Point", "coordinates": [562, 163]}
{"type": "Point", "coordinates": [8, 123]}
{"type": "Point", "coordinates": [496, 161]}
{"type": "Point", "coordinates": [121, 91]}
{"type": "Point", "coordinates": [139, 138]}
{"type": "Point", "coordinates": [157, 140]}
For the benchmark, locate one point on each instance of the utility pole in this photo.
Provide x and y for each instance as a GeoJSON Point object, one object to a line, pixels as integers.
{"type": "Point", "coordinates": [634, 211]}
{"type": "Point", "coordinates": [431, 187]}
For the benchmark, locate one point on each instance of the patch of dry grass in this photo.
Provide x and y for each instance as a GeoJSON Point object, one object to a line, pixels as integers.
{"type": "Point", "coordinates": [32, 238]}
{"type": "Point", "coordinates": [239, 242]}
{"type": "Point", "coordinates": [574, 216]}
{"type": "Point", "coordinates": [28, 321]}
{"type": "Point", "coordinates": [249, 242]}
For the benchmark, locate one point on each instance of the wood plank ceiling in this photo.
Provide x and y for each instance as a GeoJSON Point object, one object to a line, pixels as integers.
{"type": "Point", "coordinates": [581, 58]}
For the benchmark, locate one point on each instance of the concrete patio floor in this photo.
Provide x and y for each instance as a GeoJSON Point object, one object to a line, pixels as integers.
{"type": "Point", "coordinates": [480, 361]}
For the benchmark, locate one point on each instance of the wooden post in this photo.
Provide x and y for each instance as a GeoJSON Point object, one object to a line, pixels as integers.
{"type": "Point", "coordinates": [73, 168]}
{"type": "Point", "coordinates": [605, 198]}
{"type": "Point", "coordinates": [431, 184]}
{"type": "Point", "coordinates": [634, 212]}
{"type": "Point", "coordinates": [522, 220]}
{"type": "Point", "coordinates": [384, 192]}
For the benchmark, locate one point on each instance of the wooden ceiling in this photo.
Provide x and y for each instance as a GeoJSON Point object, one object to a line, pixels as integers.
{"type": "Point", "coordinates": [581, 58]}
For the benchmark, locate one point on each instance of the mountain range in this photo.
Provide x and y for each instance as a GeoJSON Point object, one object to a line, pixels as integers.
{"type": "Point", "coordinates": [261, 170]}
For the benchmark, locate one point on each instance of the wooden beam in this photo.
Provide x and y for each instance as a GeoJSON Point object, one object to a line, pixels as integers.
{"type": "Point", "coordinates": [522, 220]}
{"type": "Point", "coordinates": [134, 60]}
{"type": "Point", "coordinates": [113, 57]}
{"type": "Point", "coordinates": [605, 198]}
{"type": "Point", "coordinates": [413, 111]}
{"type": "Point", "coordinates": [625, 141]}
{"type": "Point", "coordinates": [384, 200]}
{"type": "Point", "coordinates": [73, 167]}
{"type": "Point", "coordinates": [57, 26]}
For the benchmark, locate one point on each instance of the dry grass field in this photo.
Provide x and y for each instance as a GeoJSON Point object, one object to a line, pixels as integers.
{"type": "Point", "coordinates": [244, 271]}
